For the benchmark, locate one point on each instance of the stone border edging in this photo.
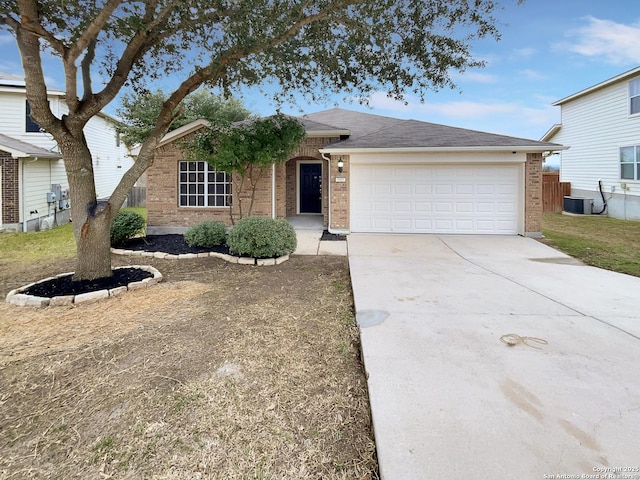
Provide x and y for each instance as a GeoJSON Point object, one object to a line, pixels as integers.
{"type": "Point", "coordinates": [223, 256]}
{"type": "Point", "coordinates": [16, 297]}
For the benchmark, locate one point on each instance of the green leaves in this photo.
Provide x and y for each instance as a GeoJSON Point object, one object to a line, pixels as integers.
{"type": "Point", "coordinates": [140, 112]}
{"type": "Point", "coordinates": [252, 143]}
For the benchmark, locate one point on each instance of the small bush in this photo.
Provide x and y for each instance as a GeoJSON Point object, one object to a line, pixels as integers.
{"type": "Point", "coordinates": [206, 234]}
{"type": "Point", "coordinates": [262, 237]}
{"type": "Point", "coordinates": [125, 226]}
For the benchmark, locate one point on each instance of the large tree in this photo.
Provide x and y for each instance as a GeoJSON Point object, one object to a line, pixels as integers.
{"type": "Point", "coordinates": [314, 47]}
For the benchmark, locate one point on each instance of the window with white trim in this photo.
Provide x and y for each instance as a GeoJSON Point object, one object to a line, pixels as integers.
{"type": "Point", "coordinates": [630, 163]}
{"type": "Point", "coordinates": [201, 186]}
{"type": "Point", "coordinates": [634, 96]}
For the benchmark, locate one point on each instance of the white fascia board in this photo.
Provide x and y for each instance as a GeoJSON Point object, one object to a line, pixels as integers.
{"type": "Point", "coordinates": [13, 152]}
{"type": "Point", "coordinates": [551, 132]}
{"type": "Point", "coordinates": [183, 131]}
{"type": "Point", "coordinates": [527, 149]}
{"type": "Point", "coordinates": [16, 153]}
{"type": "Point", "coordinates": [445, 158]}
{"type": "Point", "coordinates": [617, 78]}
{"type": "Point", "coordinates": [21, 89]}
{"type": "Point", "coordinates": [175, 134]}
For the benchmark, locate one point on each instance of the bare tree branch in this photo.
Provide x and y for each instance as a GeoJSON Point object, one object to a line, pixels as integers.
{"type": "Point", "coordinates": [91, 32]}
{"type": "Point", "coordinates": [85, 66]}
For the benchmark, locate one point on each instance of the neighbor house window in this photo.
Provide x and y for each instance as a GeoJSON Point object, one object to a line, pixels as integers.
{"type": "Point", "coordinates": [201, 186]}
{"type": "Point", "coordinates": [630, 163]}
{"type": "Point", "coordinates": [30, 125]}
{"type": "Point", "coordinates": [634, 96]}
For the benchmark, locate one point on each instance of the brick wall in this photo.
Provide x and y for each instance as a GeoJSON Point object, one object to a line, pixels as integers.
{"type": "Point", "coordinates": [162, 190]}
{"type": "Point", "coordinates": [533, 195]}
{"type": "Point", "coordinates": [339, 195]}
{"type": "Point", "coordinates": [10, 189]}
{"type": "Point", "coordinates": [162, 195]}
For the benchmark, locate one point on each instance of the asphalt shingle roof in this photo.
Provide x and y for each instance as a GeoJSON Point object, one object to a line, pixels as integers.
{"type": "Point", "coordinates": [375, 131]}
{"type": "Point", "coordinates": [24, 148]}
{"type": "Point", "coordinates": [360, 124]}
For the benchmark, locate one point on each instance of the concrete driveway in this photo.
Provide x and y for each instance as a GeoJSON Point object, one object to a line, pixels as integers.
{"type": "Point", "coordinates": [451, 401]}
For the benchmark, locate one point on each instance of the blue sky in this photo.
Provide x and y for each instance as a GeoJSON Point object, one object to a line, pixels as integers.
{"type": "Point", "coordinates": [549, 50]}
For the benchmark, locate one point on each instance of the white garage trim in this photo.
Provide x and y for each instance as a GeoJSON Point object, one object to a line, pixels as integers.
{"type": "Point", "coordinates": [437, 198]}
{"type": "Point", "coordinates": [448, 158]}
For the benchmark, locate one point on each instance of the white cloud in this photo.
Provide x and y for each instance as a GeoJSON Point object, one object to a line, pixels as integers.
{"type": "Point", "coordinates": [524, 53]}
{"type": "Point", "coordinates": [532, 75]}
{"type": "Point", "coordinates": [613, 42]}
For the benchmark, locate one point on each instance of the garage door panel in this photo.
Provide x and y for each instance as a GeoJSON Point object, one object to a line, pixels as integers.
{"type": "Point", "coordinates": [423, 189]}
{"type": "Point", "coordinates": [466, 207]}
{"type": "Point", "coordinates": [382, 207]}
{"type": "Point", "coordinates": [401, 207]}
{"type": "Point", "coordinates": [435, 199]}
{"type": "Point", "coordinates": [423, 207]}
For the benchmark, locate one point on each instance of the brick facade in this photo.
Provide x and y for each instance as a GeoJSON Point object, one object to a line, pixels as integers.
{"type": "Point", "coordinates": [164, 212]}
{"type": "Point", "coordinates": [162, 191]}
{"type": "Point", "coordinates": [533, 195]}
{"type": "Point", "coordinates": [10, 189]}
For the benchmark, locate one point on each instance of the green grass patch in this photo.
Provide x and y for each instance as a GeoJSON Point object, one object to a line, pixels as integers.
{"type": "Point", "coordinates": [139, 210]}
{"type": "Point", "coordinates": [49, 244]}
{"type": "Point", "coordinates": [598, 241]}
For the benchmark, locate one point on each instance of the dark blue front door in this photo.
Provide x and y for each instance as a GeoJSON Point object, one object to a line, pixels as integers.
{"type": "Point", "coordinates": [310, 188]}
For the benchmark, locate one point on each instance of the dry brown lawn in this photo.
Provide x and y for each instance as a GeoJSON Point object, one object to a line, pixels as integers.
{"type": "Point", "coordinates": [220, 372]}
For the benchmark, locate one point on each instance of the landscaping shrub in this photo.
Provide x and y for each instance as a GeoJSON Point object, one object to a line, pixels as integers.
{"type": "Point", "coordinates": [125, 226]}
{"type": "Point", "coordinates": [262, 237]}
{"type": "Point", "coordinates": [206, 234]}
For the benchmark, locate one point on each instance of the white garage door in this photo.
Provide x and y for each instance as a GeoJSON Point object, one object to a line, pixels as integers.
{"type": "Point", "coordinates": [472, 199]}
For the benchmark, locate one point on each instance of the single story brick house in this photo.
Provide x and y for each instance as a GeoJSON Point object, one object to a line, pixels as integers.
{"type": "Point", "coordinates": [366, 173]}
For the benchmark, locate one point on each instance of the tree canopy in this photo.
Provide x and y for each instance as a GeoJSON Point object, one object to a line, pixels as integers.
{"type": "Point", "coordinates": [311, 47]}
{"type": "Point", "coordinates": [140, 111]}
{"type": "Point", "coordinates": [247, 149]}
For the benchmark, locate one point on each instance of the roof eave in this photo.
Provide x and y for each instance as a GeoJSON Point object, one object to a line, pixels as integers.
{"type": "Point", "coordinates": [175, 134]}
{"type": "Point", "coordinates": [551, 132]}
{"type": "Point", "coordinates": [617, 78]}
{"type": "Point", "coordinates": [505, 148]}
{"type": "Point", "coordinates": [21, 89]}
{"type": "Point", "coordinates": [17, 153]}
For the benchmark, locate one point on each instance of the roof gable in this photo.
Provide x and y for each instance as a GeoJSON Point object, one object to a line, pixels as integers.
{"type": "Point", "coordinates": [618, 78]}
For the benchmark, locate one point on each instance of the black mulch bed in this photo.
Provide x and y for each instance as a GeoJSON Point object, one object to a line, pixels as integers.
{"type": "Point", "coordinates": [173, 244]}
{"type": "Point", "coordinates": [332, 237]}
{"type": "Point", "coordinates": [62, 286]}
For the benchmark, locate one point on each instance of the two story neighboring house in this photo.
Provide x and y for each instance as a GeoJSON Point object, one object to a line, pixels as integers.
{"type": "Point", "coordinates": [601, 127]}
{"type": "Point", "coordinates": [33, 182]}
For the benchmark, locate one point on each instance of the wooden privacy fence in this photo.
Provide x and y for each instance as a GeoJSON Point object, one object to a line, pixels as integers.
{"type": "Point", "coordinates": [137, 197]}
{"type": "Point", "coordinates": [553, 192]}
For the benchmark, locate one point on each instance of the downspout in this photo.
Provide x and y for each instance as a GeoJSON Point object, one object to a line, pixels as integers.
{"type": "Point", "coordinates": [328, 159]}
{"type": "Point", "coordinates": [21, 199]}
{"type": "Point", "coordinates": [23, 193]}
{"type": "Point", "coordinates": [273, 190]}
{"type": "Point", "coordinates": [24, 203]}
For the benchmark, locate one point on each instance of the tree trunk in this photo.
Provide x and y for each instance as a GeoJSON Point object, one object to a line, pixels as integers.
{"type": "Point", "coordinates": [91, 220]}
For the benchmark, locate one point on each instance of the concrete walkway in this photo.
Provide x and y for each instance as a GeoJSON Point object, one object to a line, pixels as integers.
{"type": "Point", "coordinates": [450, 401]}
{"type": "Point", "coordinates": [309, 230]}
